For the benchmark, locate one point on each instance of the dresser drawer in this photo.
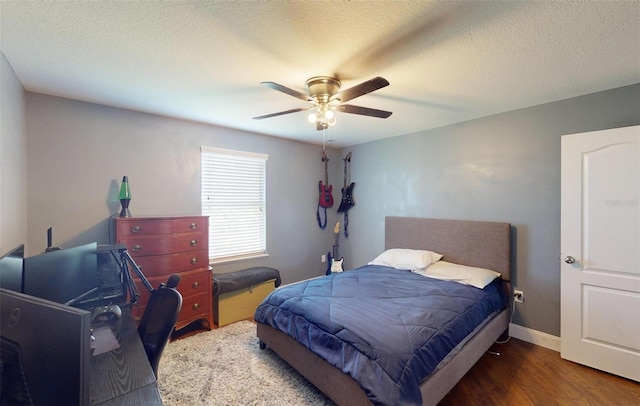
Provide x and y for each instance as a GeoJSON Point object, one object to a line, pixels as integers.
{"type": "Point", "coordinates": [152, 226]}
{"type": "Point", "coordinates": [158, 265]}
{"type": "Point", "coordinates": [195, 288]}
{"type": "Point", "coordinates": [144, 245]}
{"type": "Point", "coordinates": [196, 284]}
{"type": "Point", "coordinates": [191, 283]}
{"type": "Point", "coordinates": [194, 308]}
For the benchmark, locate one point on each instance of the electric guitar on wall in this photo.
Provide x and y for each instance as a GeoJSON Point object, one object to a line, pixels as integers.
{"type": "Point", "coordinates": [336, 264]}
{"type": "Point", "coordinates": [347, 191]}
{"type": "Point", "coordinates": [326, 198]}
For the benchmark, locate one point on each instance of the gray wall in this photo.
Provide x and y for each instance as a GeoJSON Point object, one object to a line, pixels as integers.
{"type": "Point", "coordinates": [78, 153]}
{"type": "Point", "coordinates": [500, 168]}
{"type": "Point", "coordinates": [13, 160]}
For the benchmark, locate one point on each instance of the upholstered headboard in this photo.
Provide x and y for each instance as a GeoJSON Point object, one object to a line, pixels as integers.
{"type": "Point", "coordinates": [474, 243]}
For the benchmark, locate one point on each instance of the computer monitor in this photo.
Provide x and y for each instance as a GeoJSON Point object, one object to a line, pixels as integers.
{"type": "Point", "coordinates": [62, 275]}
{"type": "Point", "coordinates": [87, 276]}
{"type": "Point", "coordinates": [45, 349]}
{"type": "Point", "coordinates": [11, 265]}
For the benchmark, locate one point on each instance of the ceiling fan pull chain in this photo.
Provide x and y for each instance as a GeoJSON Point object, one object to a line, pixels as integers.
{"type": "Point", "coordinates": [324, 137]}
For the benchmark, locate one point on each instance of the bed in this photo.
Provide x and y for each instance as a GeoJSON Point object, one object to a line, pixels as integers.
{"type": "Point", "coordinates": [313, 347]}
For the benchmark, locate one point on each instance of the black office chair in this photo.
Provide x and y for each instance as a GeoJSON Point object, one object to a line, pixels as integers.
{"type": "Point", "coordinates": [159, 320]}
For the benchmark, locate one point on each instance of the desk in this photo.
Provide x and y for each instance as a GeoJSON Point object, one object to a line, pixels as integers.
{"type": "Point", "coordinates": [123, 376]}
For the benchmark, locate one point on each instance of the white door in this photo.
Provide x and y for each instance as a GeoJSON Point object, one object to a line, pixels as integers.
{"type": "Point", "coordinates": [600, 250]}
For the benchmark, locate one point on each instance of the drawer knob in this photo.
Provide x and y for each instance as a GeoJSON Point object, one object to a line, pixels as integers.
{"type": "Point", "coordinates": [195, 306]}
{"type": "Point", "coordinates": [135, 229]}
{"type": "Point", "coordinates": [193, 243]}
{"type": "Point", "coordinates": [195, 285]}
{"type": "Point", "coordinates": [193, 226]}
{"type": "Point", "coordinates": [194, 261]}
{"type": "Point", "coordinates": [136, 248]}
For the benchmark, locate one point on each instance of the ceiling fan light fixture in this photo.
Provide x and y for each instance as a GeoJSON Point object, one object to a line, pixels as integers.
{"type": "Point", "coordinates": [324, 93]}
{"type": "Point", "coordinates": [329, 114]}
{"type": "Point", "coordinates": [323, 115]}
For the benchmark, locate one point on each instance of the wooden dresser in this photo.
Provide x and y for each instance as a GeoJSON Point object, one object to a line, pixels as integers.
{"type": "Point", "coordinates": [162, 246]}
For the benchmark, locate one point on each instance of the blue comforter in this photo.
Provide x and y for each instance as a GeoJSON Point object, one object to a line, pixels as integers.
{"type": "Point", "coordinates": [387, 328]}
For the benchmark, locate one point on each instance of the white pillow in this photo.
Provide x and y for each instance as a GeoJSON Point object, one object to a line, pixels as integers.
{"type": "Point", "coordinates": [467, 275]}
{"type": "Point", "coordinates": [402, 258]}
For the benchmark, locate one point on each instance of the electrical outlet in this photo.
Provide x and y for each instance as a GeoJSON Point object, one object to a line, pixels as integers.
{"type": "Point", "coordinates": [323, 258]}
{"type": "Point", "coordinates": [518, 296]}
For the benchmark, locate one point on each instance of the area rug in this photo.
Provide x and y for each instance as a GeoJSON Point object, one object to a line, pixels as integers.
{"type": "Point", "coordinates": [225, 366]}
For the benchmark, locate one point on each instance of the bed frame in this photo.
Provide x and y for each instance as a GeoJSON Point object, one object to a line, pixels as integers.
{"type": "Point", "coordinates": [474, 243]}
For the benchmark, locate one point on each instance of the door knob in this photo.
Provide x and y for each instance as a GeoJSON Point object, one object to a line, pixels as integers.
{"type": "Point", "coordinates": [569, 259]}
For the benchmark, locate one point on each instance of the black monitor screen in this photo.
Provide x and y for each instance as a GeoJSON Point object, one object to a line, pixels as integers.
{"type": "Point", "coordinates": [62, 275]}
{"type": "Point", "coordinates": [13, 383]}
{"type": "Point", "coordinates": [49, 345]}
{"type": "Point", "coordinates": [11, 269]}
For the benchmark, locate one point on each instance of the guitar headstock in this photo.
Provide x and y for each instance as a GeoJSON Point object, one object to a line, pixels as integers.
{"type": "Point", "coordinates": [348, 157]}
{"type": "Point", "coordinates": [324, 157]}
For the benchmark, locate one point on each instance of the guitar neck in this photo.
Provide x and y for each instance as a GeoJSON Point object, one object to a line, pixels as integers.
{"type": "Point", "coordinates": [347, 161]}
{"type": "Point", "coordinates": [326, 173]}
{"type": "Point", "coordinates": [326, 169]}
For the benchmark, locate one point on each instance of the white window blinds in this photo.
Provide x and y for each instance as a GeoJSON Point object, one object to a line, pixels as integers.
{"type": "Point", "coordinates": [233, 196]}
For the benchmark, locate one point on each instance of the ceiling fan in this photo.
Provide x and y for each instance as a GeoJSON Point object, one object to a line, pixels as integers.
{"type": "Point", "coordinates": [326, 98]}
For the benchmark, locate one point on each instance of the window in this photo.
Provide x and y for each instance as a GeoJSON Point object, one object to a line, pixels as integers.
{"type": "Point", "coordinates": [233, 196]}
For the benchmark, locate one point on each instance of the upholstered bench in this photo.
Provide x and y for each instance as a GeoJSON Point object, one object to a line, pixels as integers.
{"type": "Point", "coordinates": [236, 295]}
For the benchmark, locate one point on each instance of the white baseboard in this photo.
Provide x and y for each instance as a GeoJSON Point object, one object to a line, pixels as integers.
{"type": "Point", "coordinates": [535, 337]}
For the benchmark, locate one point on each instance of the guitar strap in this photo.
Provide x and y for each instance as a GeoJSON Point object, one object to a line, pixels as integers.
{"type": "Point", "coordinates": [321, 224]}
{"type": "Point", "coordinates": [346, 224]}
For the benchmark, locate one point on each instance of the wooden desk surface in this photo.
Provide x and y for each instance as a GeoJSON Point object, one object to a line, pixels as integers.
{"type": "Point", "coordinates": [123, 376]}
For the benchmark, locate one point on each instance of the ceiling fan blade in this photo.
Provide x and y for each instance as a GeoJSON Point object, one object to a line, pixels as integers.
{"type": "Point", "coordinates": [286, 90]}
{"type": "Point", "coordinates": [361, 89]}
{"type": "Point", "coordinates": [363, 111]}
{"type": "Point", "coordinates": [280, 113]}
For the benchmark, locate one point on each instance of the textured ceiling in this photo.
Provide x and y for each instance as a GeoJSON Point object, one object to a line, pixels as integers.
{"type": "Point", "coordinates": [447, 62]}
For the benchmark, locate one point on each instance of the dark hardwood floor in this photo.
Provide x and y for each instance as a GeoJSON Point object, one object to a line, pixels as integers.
{"type": "Point", "coordinates": [527, 374]}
